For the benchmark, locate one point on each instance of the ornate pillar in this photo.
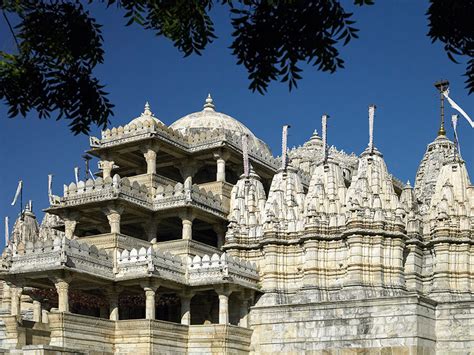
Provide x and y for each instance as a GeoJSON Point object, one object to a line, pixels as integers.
{"type": "Point", "coordinates": [150, 299]}
{"type": "Point", "coordinates": [186, 307]}
{"type": "Point", "coordinates": [107, 166]}
{"type": "Point", "coordinates": [220, 159]}
{"type": "Point", "coordinates": [62, 288]}
{"type": "Point", "coordinates": [151, 228]}
{"type": "Point", "coordinates": [7, 296]}
{"type": "Point", "coordinates": [220, 233]}
{"type": "Point", "coordinates": [37, 311]}
{"type": "Point", "coordinates": [16, 293]}
{"type": "Point", "coordinates": [245, 298]}
{"type": "Point", "coordinates": [113, 298]}
{"type": "Point", "coordinates": [188, 169]}
{"type": "Point", "coordinates": [149, 154]}
{"type": "Point", "coordinates": [187, 221]}
{"type": "Point", "coordinates": [70, 222]}
{"type": "Point", "coordinates": [223, 293]}
{"type": "Point", "coordinates": [113, 214]}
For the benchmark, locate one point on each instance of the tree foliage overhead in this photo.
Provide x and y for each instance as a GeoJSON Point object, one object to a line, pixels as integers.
{"type": "Point", "coordinates": [59, 43]}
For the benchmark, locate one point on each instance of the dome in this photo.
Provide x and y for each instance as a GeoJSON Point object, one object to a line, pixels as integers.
{"type": "Point", "coordinates": [209, 120]}
{"type": "Point", "coordinates": [146, 118]}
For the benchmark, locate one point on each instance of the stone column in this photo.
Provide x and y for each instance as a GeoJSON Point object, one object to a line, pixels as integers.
{"type": "Point", "coordinates": [150, 299]}
{"type": "Point", "coordinates": [220, 159]}
{"type": "Point", "coordinates": [69, 227]}
{"type": "Point", "coordinates": [37, 311]}
{"type": "Point", "coordinates": [16, 293]}
{"type": "Point", "coordinates": [7, 297]}
{"type": "Point", "coordinates": [187, 221]}
{"type": "Point", "coordinates": [220, 230]}
{"type": "Point", "coordinates": [223, 294]}
{"type": "Point", "coordinates": [62, 288]}
{"type": "Point", "coordinates": [150, 157]}
{"type": "Point", "coordinates": [107, 166]}
{"type": "Point", "coordinates": [187, 170]}
{"type": "Point", "coordinates": [113, 216]}
{"type": "Point", "coordinates": [113, 298]}
{"type": "Point", "coordinates": [151, 228]}
{"type": "Point", "coordinates": [243, 312]}
{"type": "Point", "coordinates": [186, 307]}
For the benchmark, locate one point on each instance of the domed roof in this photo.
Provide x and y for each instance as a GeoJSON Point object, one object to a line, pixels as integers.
{"type": "Point", "coordinates": [146, 118]}
{"type": "Point", "coordinates": [209, 119]}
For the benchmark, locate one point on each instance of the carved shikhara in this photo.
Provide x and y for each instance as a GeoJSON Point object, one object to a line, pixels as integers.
{"type": "Point", "coordinates": [330, 252]}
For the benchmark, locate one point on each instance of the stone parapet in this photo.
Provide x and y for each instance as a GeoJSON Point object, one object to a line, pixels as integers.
{"type": "Point", "coordinates": [218, 339]}
{"type": "Point", "coordinates": [110, 241]}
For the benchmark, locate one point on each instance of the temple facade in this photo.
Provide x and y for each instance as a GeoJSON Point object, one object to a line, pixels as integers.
{"type": "Point", "coordinates": [193, 238]}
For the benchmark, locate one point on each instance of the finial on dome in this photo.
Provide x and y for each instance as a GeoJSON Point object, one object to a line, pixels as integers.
{"type": "Point", "coordinates": [408, 185]}
{"type": "Point", "coordinates": [147, 110]}
{"type": "Point", "coordinates": [442, 86]}
{"type": "Point", "coordinates": [209, 105]}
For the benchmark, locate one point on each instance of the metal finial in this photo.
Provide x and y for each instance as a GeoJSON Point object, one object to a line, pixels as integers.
{"type": "Point", "coordinates": [284, 147]}
{"type": "Point", "coordinates": [209, 105]}
{"type": "Point", "coordinates": [442, 86]}
{"type": "Point", "coordinates": [371, 127]}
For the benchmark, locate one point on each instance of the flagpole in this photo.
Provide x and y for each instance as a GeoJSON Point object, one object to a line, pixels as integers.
{"type": "Point", "coordinates": [21, 203]}
{"type": "Point", "coordinates": [442, 85]}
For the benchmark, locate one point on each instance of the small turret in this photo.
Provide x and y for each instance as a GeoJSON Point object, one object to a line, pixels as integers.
{"type": "Point", "coordinates": [26, 228]}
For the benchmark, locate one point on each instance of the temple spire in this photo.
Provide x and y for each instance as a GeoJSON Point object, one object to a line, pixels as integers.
{"type": "Point", "coordinates": [209, 105]}
{"type": "Point", "coordinates": [442, 86]}
{"type": "Point", "coordinates": [245, 155]}
{"type": "Point", "coordinates": [324, 119]}
{"type": "Point", "coordinates": [284, 147]}
{"type": "Point", "coordinates": [371, 127]}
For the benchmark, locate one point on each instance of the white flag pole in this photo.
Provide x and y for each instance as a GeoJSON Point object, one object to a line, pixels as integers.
{"type": "Point", "coordinates": [245, 155]}
{"type": "Point", "coordinates": [50, 187]}
{"type": "Point", "coordinates": [91, 175]}
{"type": "Point", "coordinates": [454, 120]}
{"type": "Point", "coordinates": [457, 108]}
{"type": "Point", "coordinates": [76, 174]}
{"type": "Point", "coordinates": [324, 120]}
{"type": "Point", "coordinates": [7, 232]}
{"type": "Point", "coordinates": [371, 127]}
{"type": "Point", "coordinates": [284, 147]}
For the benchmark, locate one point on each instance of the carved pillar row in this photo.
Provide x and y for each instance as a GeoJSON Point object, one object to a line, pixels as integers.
{"type": "Point", "coordinates": [113, 216]}
{"type": "Point", "coordinates": [186, 307]}
{"type": "Point", "coordinates": [62, 288]}
{"type": "Point", "coordinates": [223, 294]}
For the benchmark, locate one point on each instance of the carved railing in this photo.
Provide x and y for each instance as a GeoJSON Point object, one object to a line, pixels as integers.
{"type": "Point", "coordinates": [145, 261]}
{"type": "Point", "coordinates": [60, 253]}
{"type": "Point", "coordinates": [166, 196]}
{"type": "Point", "coordinates": [221, 268]}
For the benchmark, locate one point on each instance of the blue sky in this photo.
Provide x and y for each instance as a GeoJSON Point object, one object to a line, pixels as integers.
{"type": "Point", "coordinates": [393, 64]}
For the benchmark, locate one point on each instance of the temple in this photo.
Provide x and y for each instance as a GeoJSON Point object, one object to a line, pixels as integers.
{"type": "Point", "coordinates": [193, 238]}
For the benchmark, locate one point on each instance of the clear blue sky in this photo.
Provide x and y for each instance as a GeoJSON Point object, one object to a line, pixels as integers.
{"type": "Point", "coordinates": [393, 65]}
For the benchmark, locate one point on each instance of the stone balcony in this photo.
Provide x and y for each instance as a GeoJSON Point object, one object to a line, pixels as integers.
{"type": "Point", "coordinates": [112, 241]}
{"type": "Point", "coordinates": [164, 197]}
{"type": "Point", "coordinates": [219, 188]}
{"type": "Point", "coordinates": [44, 258]}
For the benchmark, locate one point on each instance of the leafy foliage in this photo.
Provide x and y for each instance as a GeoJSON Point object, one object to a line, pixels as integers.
{"type": "Point", "coordinates": [59, 44]}
{"type": "Point", "coordinates": [450, 21]}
